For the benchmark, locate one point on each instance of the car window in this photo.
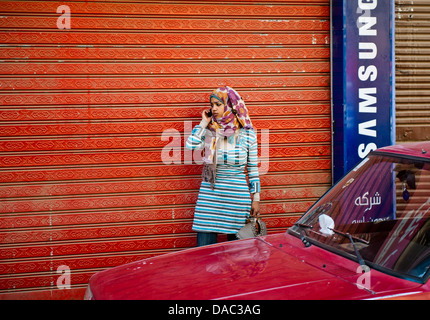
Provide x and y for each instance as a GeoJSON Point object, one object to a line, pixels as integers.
{"type": "Point", "coordinates": [384, 203]}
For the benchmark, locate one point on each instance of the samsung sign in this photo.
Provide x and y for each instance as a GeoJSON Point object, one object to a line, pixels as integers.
{"type": "Point", "coordinates": [362, 80]}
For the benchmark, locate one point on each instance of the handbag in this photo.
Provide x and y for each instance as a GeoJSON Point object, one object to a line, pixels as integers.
{"type": "Point", "coordinates": [254, 227]}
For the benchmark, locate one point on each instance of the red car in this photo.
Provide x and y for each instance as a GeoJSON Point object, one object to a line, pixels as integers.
{"type": "Point", "coordinates": [368, 237]}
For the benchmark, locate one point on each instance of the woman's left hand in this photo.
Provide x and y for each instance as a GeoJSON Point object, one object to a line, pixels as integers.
{"type": "Point", "coordinates": [255, 208]}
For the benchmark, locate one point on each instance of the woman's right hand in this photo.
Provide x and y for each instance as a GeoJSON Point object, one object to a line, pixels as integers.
{"type": "Point", "coordinates": [205, 116]}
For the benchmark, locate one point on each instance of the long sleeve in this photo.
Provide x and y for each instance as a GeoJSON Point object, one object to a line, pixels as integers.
{"type": "Point", "coordinates": [196, 141]}
{"type": "Point", "coordinates": [252, 164]}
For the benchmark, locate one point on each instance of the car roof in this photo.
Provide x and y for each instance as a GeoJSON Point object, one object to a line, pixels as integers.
{"type": "Point", "coordinates": [415, 149]}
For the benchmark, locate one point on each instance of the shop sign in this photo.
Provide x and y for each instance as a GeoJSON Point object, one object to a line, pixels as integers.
{"type": "Point", "coordinates": [362, 80]}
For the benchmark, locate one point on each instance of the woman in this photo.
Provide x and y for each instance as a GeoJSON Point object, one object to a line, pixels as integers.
{"type": "Point", "coordinates": [230, 144]}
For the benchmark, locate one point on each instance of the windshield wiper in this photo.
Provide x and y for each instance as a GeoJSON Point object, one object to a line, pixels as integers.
{"type": "Point", "coordinates": [363, 265]}
{"type": "Point", "coordinates": [304, 239]}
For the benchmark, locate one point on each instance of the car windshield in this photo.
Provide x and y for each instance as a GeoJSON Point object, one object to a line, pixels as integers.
{"type": "Point", "coordinates": [384, 204]}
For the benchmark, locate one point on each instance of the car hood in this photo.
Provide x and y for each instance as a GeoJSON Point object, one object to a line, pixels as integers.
{"type": "Point", "coordinates": [271, 267]}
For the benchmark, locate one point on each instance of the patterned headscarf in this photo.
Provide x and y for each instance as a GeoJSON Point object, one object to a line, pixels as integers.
{"type": "Point", "coordinates": [235, 116]}
{"type": "Point", "coordinates": [235, 112]}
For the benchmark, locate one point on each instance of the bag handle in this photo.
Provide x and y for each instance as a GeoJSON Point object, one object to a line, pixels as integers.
{"type": "Point", "coordinates": [256, 222]}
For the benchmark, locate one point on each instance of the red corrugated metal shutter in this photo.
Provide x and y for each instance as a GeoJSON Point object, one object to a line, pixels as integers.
{"type": "Point", "coordinates": [82, 179]}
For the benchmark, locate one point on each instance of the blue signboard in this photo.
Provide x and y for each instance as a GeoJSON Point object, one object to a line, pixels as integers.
{"type": "Point", "coordinates": [362, 80]}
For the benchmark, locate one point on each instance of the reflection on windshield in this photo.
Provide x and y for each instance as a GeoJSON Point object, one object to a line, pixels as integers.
{"type": "Point", "coordinates": [385, 202]}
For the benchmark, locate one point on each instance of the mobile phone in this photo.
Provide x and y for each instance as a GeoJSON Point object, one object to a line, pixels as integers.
{"type": "Point", "coordinates": [209, 113]}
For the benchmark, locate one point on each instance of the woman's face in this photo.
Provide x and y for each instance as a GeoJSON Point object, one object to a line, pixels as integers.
{"type": "Point", "coordinates": [217, 108]}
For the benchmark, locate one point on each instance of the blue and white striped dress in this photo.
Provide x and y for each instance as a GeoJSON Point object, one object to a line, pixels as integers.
{"type": "Point", "coordinates": [225, 208]}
